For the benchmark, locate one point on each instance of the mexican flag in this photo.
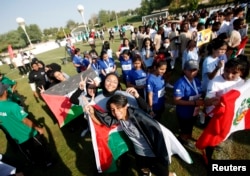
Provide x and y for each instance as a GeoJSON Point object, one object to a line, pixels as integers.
{"type": "Point", "coordinates": [232, 115]}
{"type": "Point", "coordinates": [57, 98]}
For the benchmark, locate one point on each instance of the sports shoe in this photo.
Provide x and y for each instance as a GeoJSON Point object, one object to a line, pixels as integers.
{"type": "Point", "coordinates": [169, 86]}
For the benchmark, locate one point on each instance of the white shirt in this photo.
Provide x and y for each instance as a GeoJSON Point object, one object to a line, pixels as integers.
{"type": "Point", "coordinates": [219, 86]}
{"type": "Point", "coordinates": [18, 60]}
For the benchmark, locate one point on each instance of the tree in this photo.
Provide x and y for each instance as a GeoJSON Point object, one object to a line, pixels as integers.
{"type": "Point", "coordinates": [34, 33]}
{"type": "Point", "coordinates": [145, 8]}
{"type": "Point", "coordinates": [103, 17]}
{"type": "Point", "coordinates": [13, 38]}
{"type": "Point", "coordinates": [71, 24]}
{"type": "Point", "coordinates": [190, 4]}
{"type": "Point", "coordinates": [93, 19]}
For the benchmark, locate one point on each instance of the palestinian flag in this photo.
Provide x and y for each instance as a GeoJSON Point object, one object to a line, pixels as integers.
{"type": "Point", "coordinates": [57, 98]}
{"type": "Point", "coordinates": [233, 115]}
{"type": "Point", "coordinates": [109, 143]}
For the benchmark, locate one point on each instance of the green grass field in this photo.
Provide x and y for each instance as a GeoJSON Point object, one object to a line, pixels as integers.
{"type": "Point", "coordinates": [74, 155]}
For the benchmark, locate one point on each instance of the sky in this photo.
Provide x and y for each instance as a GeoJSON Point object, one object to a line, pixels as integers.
{"type": "Point", "coordinates": [55, 13]}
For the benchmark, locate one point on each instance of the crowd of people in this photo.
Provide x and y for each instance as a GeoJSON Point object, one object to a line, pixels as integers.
{"type": "Point", "coordinates": [147, 61]}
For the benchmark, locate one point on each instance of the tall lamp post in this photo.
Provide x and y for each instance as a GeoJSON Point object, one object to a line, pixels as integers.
{"type": "Point", "coordinates": [21, 23]}
{"type": "Point", "coordinates": [80, 9]}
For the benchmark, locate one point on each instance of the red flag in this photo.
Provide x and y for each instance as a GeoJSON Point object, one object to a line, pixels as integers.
{"type": "Point", "coordinates": [10, 51]}
{"type": "Point", "coordinates": [242, 45]}
{"type": "Point", "coordinates": [233, 116]}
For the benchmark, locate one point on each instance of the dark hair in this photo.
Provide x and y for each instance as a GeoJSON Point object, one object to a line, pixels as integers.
{"type": "Point", "coordinates": [93, 51]}
{"type": "Point", "coordinates": [215, 44]}
{"type": "Point", "coordinates": [33, 63]}
{"type": "Point", "coordinates": [151, 43]}
{"type": "Point", "coordinates": [123, 41]}
{"type": "Point", "coordinates": [244, 65]}
{"type": "Point", "coordinates": [117, 99]}
{"type": "Point", "coordinates": [126, 51]}
{"type": "Point", "coordinates": [41, 62]}
{"type": "Point", "coordinates": [77, 50]}
{"type": "Point", "coordinates": [50, 74]}
{"type": "Point", "coordinates": [223, 36]}
{"type": "Point", "coordinates": [102, 53]}
{"type": "Point", "coordinates": [132, 45]}
{"type": "Point", "coordinates": [159, 63]}
{"type": "Point", "coordinates": [54, 66]}
{"type": "Point", "coordinates": [237, 11]}
{"type": "Point", "coordinates": [238, 22]}
{"type": "Point", "coordinates": [137, 57]}
{"type": "Point", "coordinates": [232, 64]}
{"type": "Point", "coordinates": [106, 45]}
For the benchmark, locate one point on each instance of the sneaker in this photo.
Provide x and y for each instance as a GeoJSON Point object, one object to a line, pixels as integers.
{"type": "Point", "coordinates": [169, 86]}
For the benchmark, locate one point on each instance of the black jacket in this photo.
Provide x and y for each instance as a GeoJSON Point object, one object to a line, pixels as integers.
{"type": "Point", "coordinates": [148, 127]}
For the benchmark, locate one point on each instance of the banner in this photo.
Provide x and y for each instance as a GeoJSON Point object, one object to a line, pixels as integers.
{"type": "Point", "coordinates": [203, 37]}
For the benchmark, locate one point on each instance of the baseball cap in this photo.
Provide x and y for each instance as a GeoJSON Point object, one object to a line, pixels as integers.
{"type": "Point", "coordinates": [3, 88]}
{"type": "Point", "coordinates": [191, 65]}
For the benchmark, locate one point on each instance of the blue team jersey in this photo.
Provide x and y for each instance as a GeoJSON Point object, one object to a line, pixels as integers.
{"type": "Point", "coordinates": [137, 77]}
{"type": "Point", "coordinates": [156, 85]}
{"type": "Point", "coordinates": [184, 90]}
{"type": "Point", "coordinates": [107, 65]}
{"type": "Point", "coordinates": [126, 66]}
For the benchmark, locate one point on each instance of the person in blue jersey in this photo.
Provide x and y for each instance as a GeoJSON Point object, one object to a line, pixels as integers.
{"type": "Point", "coordinates": [156, 88]}
{"type": "Point", "coordinates": [187, 97]}
{"type": "Point", "coordinates": [96, 66]}
{"type": "Point", "coordinates": [85, 62]}
{"type": "Point", "coordinates": [107, 64]}
{"type": "Point", "coordinates": [148, 52]}
{"type": "Point", "coordinates": [77, 60]}
{"type": "Point", "coordinates": [137, 76]}
{"type": "Point", "coordinates": [126, 64]}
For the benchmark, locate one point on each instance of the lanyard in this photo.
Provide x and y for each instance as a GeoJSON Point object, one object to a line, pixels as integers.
{"type": "Point", "coordinates": [106, 63]}
{"type": "Point", "coordinates": [95, 68]}
{"type": "Point", "coordinates": [194, 87]}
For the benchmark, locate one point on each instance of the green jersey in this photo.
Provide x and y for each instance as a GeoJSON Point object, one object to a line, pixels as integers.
{"type": "Point", "coordinates": [8, 81]}
{"type": "Point", "coordinates": [11, 96]}
{"type": "Point", "coordinates": [11, 119]}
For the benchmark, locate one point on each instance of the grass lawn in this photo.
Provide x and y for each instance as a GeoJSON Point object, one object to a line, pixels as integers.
{"type": "Point", "coordinates": [74, 155]}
